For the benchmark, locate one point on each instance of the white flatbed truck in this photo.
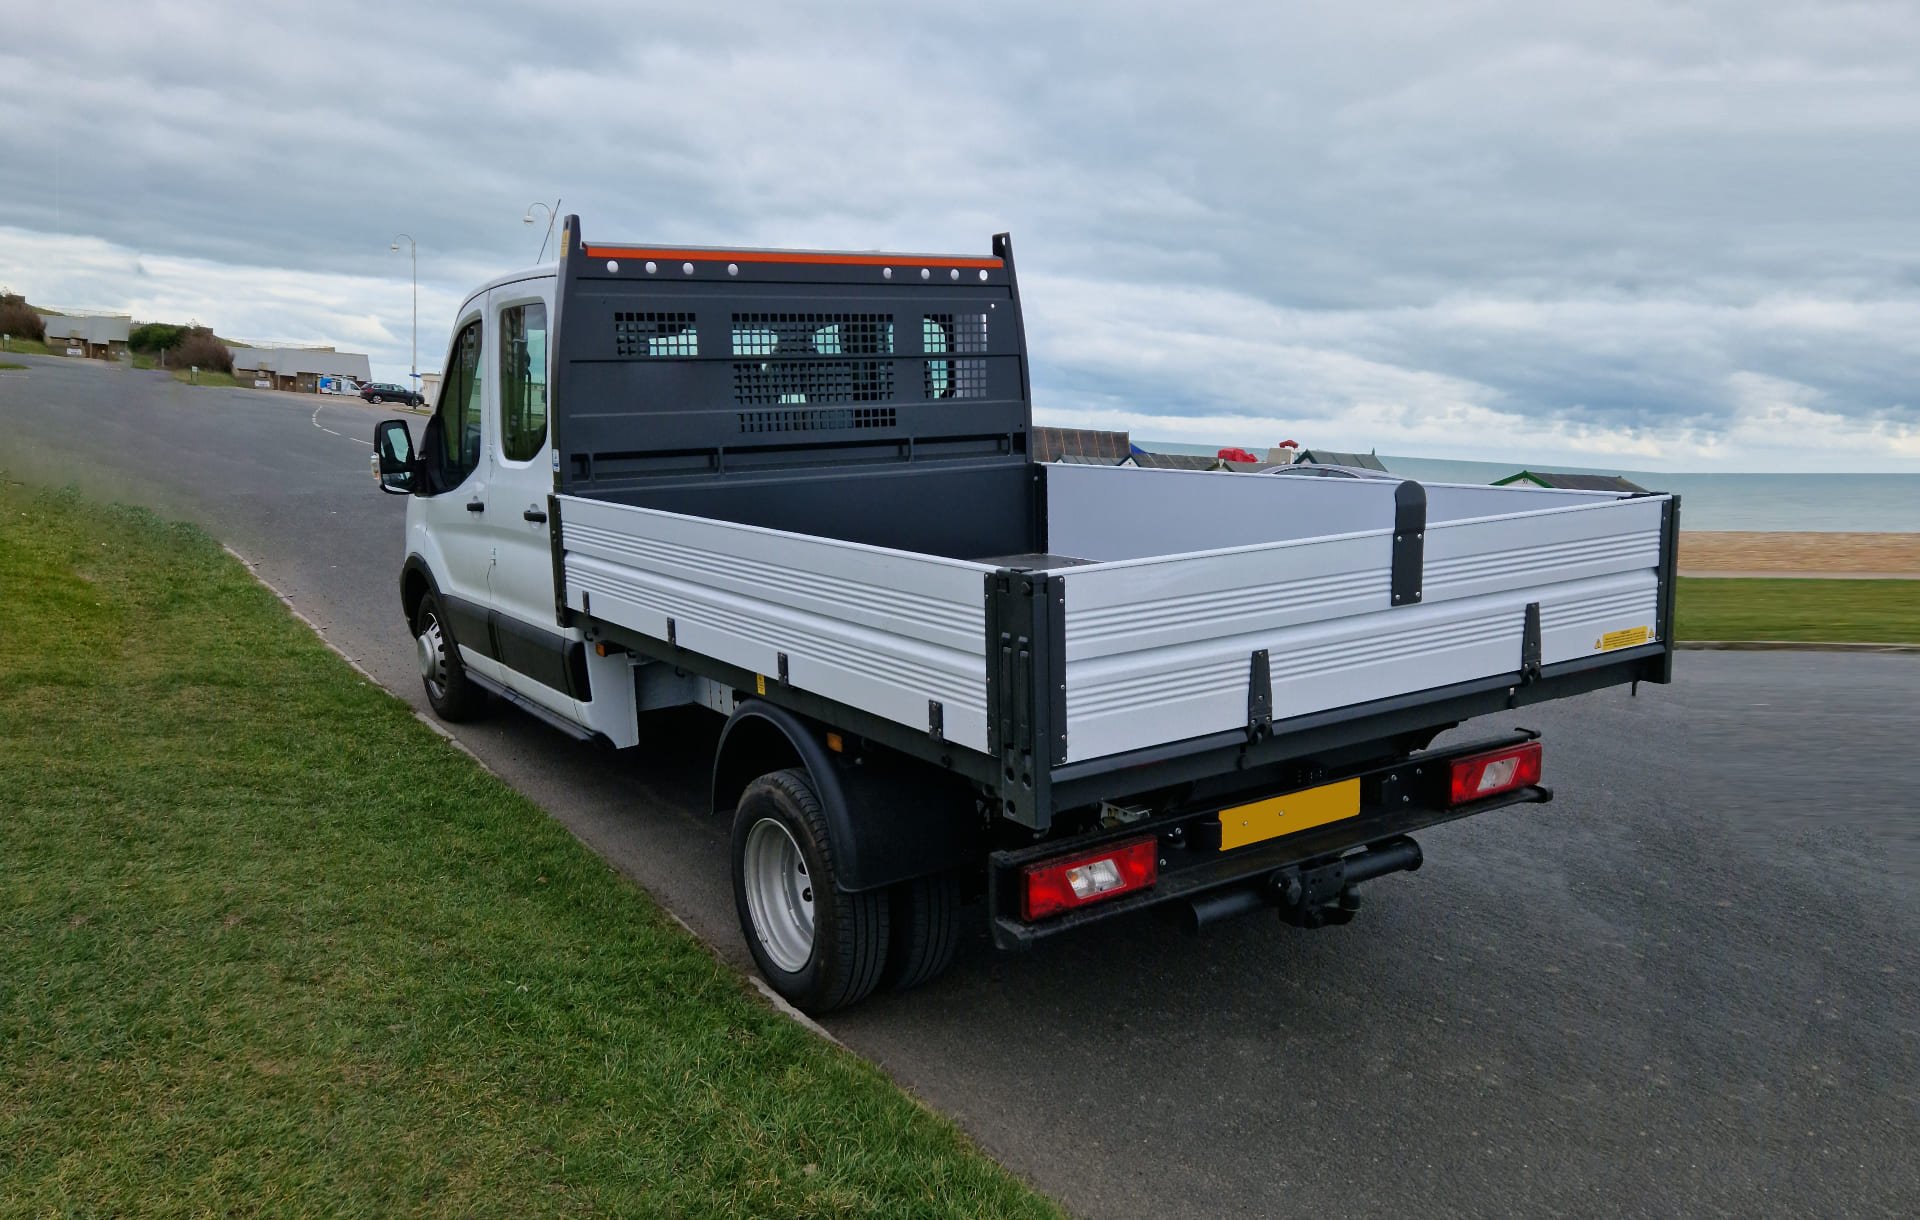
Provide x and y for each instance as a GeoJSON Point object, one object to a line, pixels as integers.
{"type": "Point", "coordinates": [795, 488]}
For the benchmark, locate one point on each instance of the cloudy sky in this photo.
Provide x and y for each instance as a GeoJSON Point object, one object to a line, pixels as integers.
{"type": "Point", "coordinates": [1641, 235]}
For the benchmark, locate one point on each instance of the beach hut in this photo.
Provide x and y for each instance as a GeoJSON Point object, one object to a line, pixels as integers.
{"type": "Point", "coordinates": [1570, 482]}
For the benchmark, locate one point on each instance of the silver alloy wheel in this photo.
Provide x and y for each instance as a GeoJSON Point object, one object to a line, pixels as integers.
{"type": "Point", "coordinates": [431, 646]}
{"type": "Point", "coordinates": [779, 894]}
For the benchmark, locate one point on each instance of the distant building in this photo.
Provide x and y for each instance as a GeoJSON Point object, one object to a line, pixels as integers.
{"type": "Point", "coordinates": [1570, 482]}
{"type": "Point", "coordinates": [1084, 446]}
{"type": "Point", "coordinates": [102, 336]}
{"type": "Point", "coordinates": [1174, 461]}
{"type": "Point", "coordinates": [296, 368]}
{"type": "Point", "coordinates": [430, 389]}
{"type": "Point", "coordinates": [1333, 457]}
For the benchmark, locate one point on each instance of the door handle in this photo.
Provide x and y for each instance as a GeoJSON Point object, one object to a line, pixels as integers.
{"type": "Point", "coordinates": [535, 514]}
{"type": "Point", "coordinates": [476, 506]}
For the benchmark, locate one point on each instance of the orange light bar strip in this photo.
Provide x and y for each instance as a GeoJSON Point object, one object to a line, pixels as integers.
{"type": "Point", "coordinates": [790, 256]}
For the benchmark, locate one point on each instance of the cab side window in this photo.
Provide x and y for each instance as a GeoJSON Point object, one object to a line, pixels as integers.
{"type": "Point", "coordinates": [456, 451]}
{"type": "Point", "coordinates": [523, 381]}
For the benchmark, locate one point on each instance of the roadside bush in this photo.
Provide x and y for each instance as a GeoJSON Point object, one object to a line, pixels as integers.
{"type": "Point", "coordinates": [200, 349]}
{"type": "Point", "coordinates": [156, 336]}
{"type": "Point", "coordinates": [18, 320]}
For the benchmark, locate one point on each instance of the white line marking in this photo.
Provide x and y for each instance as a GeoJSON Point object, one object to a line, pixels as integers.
{"type": "Point", "coordinates": [330, 432]}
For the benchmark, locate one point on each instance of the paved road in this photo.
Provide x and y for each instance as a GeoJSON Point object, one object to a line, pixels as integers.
{"type": "Point", "coordinates": [1687, 987]}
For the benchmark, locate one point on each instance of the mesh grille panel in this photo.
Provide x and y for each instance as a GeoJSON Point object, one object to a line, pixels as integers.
{"type": "Point", "coordinates": [655, 334]}
{"type": "Point", "coordinates": [831, 419]}
{"type": "Point", "coordinates": [956, 379]}
{"type": "Point", "coordinates": [774, 382]}
{"type": "Point", "coordinates": [812, 334]}
{"type": "Point", "coordinates": [954, 332]}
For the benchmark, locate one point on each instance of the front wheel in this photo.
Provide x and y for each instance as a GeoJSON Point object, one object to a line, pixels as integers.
{"type": "Point", "coordinates": [820, 948]}
{"type": "Point", "coordinates": [377, 400]}
{"type": "Point", "coordinates": [452, 694]}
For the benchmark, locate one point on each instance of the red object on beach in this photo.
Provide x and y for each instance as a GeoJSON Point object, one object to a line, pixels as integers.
{"type": "Point", "coordinates": [1236, 455]}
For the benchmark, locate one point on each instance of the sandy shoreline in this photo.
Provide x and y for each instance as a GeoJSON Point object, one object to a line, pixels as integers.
{"type": "Point", "coordinates": [1750, 553]}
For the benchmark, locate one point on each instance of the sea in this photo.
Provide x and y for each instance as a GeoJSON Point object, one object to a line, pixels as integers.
{"type": "Point", "coordinates": [1814, 503]}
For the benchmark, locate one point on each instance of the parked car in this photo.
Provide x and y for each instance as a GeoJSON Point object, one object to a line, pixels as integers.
{"type": "Point", "coordinates": [339, 385]}
{"type": "Point", "coordinates": [948, 673]}
{"type": "Point", "coordinates": [386, 391]}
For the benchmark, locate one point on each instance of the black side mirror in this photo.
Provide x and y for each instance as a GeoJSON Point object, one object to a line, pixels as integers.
{"type": "Point", "coordinates": [393, 457]}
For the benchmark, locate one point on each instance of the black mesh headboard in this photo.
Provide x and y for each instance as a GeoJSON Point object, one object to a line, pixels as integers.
{"type": "Point", "coordinates": [728, 383]}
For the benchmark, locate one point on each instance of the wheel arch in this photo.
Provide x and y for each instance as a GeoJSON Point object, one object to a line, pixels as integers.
{"type": "Point", "coordinates": [890, 818]}
{"type": "Point", "coordinates": [416, 581]}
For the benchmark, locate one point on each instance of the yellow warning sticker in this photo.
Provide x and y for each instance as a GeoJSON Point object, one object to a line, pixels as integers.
{"type": "Point", "coordinates": [759, 684]}
{"type": "Point", "coordinates": [1623, 639]}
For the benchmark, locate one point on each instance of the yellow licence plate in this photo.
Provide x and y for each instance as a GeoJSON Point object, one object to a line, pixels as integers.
{"type": "Point", "coordinates": [1283, 815]}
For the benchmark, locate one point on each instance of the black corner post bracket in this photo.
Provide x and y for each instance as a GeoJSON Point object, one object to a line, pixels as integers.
{"type": "Point", "coordinates": [1259, 697]}
{"type": "Point", "coordinates": [562, 615]}
{"type": "Point", "coordinates": [1026, 690]}
{"type": "Point", "coordinates": [1409, 542]}
{"type": "Point", "coordinates": [1663, 621]}
{"type": "Point", "coordinates": [1530, 645]}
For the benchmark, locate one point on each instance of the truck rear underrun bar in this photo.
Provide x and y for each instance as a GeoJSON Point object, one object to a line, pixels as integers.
{"type": "Point", "coordinates": [1397, 800]}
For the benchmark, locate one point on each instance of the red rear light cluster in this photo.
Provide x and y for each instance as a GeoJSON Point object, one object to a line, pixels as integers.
{"type": "Point", "coordinates": [1479, 776]}
{"type": "Point", "coordinates": [1062, 885]}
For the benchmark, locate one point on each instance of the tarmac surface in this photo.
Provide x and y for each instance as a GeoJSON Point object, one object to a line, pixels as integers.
{"type": "Point", "coordinates": [1687, 986]}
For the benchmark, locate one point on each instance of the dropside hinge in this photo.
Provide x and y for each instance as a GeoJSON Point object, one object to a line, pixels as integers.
{"type": "Point", "coordinates": [1259, 697]}
{"type": "Point", "coordinates": [1530, 645]}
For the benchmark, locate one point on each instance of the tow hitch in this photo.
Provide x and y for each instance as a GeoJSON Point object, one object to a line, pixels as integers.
{"type": "Point", "coordinates": [1308, 896]}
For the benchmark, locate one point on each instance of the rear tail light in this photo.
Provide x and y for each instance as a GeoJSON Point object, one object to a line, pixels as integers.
{"type": "Point", "coordinates": [1479, 776]}
{"type": "Point", "coordinates": [1062, 885]}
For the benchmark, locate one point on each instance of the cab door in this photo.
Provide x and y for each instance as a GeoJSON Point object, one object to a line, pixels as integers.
{"type": "Point", "coordinates": [453, 513]}
{"type": "Point", "coordinates": [542, 660]}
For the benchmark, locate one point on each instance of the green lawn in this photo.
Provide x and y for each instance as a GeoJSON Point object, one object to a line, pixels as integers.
{"type": "Point", "coordinates": [11, 364]}
{"type": "Point", "coordinates": [24, 347]}
{"type": "Point", "coordinates": [1865, 611]}
{"type": "Point", "coordinates": [272, 945]}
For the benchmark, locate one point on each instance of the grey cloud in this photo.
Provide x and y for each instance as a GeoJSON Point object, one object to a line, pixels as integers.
{"type": "Point", "coordinates": [1575, 212]}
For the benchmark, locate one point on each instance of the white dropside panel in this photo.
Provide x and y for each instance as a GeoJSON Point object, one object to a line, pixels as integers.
{"type": "Point", "coordinates": [1161, 650]}
{"type": "Point", "coordinates": [883, 631]}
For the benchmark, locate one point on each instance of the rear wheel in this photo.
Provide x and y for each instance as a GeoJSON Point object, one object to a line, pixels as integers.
{"type": "Point", "coordinates": [377, 400]}
{"type": "Point", "coordinates": [926, 930]}
{"type": "Point", "coordinates": [452, 694]}
{"type": "Point", "coordinates": [820, 948]}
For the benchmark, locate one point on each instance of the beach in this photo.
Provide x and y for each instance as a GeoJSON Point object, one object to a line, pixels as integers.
{"type": "Point", "coordinates": [1766, 553]}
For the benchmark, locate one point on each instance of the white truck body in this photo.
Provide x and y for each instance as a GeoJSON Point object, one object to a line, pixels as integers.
{"type": "Point", "coordinates": [793, 488]}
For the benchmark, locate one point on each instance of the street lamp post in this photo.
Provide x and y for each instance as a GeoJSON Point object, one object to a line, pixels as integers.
{"type": "Point", "coordinates": [413, 253]}
{"type": "Point", "coordinates": [553, 214]}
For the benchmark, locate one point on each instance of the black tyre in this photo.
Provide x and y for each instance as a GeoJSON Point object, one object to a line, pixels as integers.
{"type": "Point", "coordinates": [926, 930]}
{"type": "Point", "coordinates": [452, 694]}
{"type": "Point", "coordinates": [820, 948]}
{"type": "Point", "coordinates": [376, 400]}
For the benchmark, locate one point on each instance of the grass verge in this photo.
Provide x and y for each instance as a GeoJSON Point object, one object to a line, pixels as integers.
{"type": "Point", "coordinates": [272, 945]}
{"type": "Point", "coordinates": [1811, 611]}
{"type": "Point", "coordinates": [17, 346]}
{"type": "Point", "coordinates": [11, 364]}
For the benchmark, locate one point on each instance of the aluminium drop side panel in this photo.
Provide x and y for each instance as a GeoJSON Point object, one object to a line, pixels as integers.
{"type": "Point", "coordinates": [1162, 650]}
{"type": "Point", "coordinates": [1594, 568]}
{"type": "Point", "coordinates": [883, 631]}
